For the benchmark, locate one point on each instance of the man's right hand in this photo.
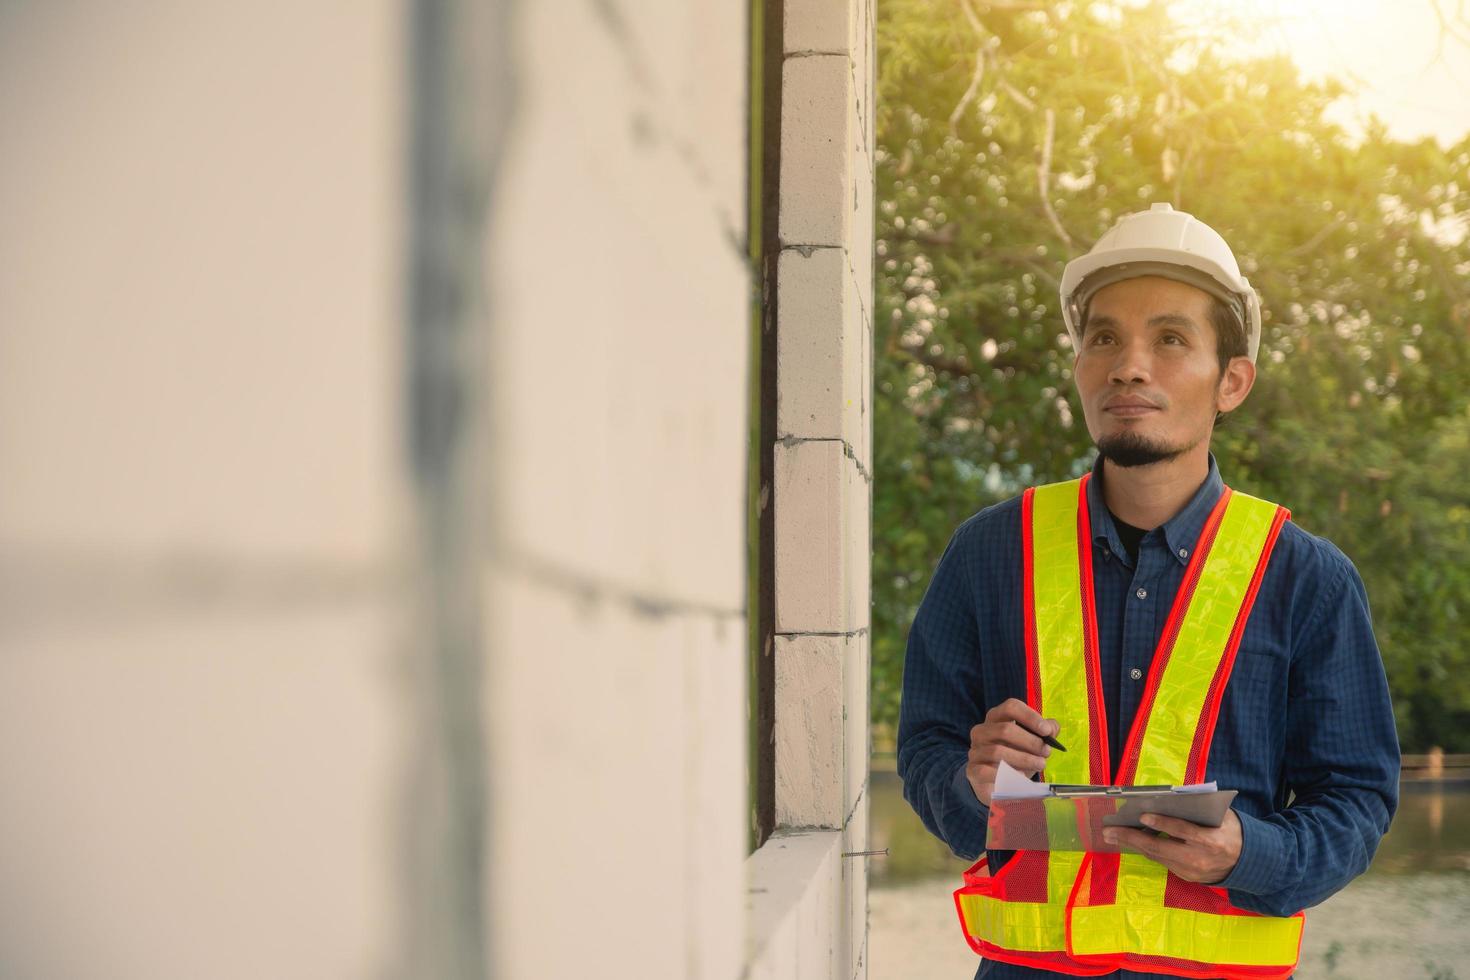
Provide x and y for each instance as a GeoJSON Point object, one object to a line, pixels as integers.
{"type": "Point", "coordinates": [1001, 736]}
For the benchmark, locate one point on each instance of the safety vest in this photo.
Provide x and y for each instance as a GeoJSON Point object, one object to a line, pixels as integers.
{"type": "Point", "coordinates": [1085, 913]}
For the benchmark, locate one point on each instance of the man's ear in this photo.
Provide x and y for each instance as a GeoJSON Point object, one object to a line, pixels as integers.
{"type": "Point", "coordinates": [1235, 384]}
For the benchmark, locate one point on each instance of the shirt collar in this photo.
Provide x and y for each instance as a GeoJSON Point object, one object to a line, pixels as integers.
{"type": "Point", "coordinates": [1180, 531]}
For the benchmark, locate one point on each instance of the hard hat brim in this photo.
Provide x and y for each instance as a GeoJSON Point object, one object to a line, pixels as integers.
{"type": "Point", "coordinates": [1155, 261]}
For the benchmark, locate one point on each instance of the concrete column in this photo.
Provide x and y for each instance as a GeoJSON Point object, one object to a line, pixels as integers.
{"type": "Point", "coordinates": [823, 456]}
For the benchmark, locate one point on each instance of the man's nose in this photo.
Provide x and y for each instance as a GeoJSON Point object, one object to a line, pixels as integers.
{"type": "Point", "coordinates": [1130, 364]}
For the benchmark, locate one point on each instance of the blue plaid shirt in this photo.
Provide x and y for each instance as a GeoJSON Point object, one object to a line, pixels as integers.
{"type": "Point", "coordinates": [1305, 733]}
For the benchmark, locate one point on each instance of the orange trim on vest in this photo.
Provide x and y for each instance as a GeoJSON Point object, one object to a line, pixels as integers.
{"type": "Point", "coordinates": [1101, 763]}
{"type": "Point", "coordinates": [1028, 602]}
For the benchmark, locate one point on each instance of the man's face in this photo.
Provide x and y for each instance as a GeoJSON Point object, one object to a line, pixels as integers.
{"type": "Point", "coordinates": [1147, 371]}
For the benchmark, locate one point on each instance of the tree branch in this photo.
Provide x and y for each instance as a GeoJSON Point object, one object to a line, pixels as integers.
{"type": "Point", "coordinates": [1315, 240]}
{"type": "Point", "coordinates": [969, 13]}
{"type": "Point", "coordinates": [1015, 93]}
{"type": "Point", "coordinates": [1043, 175]}
{"type": "Point", "coordinates": [969, 96]}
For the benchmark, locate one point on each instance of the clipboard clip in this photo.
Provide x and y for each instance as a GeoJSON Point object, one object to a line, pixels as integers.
{"type": "Point", "coordinates": [1070, 791]}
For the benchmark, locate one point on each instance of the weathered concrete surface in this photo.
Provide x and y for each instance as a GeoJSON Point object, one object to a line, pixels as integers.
{"type": "Point", "coordinates": [205, 729]}
{"type": "Point", "coordinates": [615, 690]}
{"type": "Point", "coordinates": [823, 466]}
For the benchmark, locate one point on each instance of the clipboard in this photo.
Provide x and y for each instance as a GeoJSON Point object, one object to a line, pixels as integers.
{"type": "Point", "coordinates": [1061, 817]}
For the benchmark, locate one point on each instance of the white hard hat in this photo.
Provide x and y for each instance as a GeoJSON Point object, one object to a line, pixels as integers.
{"type": "Point", "coordinates": [1161, 242]}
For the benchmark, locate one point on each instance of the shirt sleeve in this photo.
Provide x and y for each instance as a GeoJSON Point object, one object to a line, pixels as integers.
{"type": "Point", "coordinates": [941, 700]}
{"type": "Point", "coordinates": [1341, 764]}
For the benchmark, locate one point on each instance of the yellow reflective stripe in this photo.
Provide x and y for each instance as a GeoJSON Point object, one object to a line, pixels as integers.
{"type": "Point", "coordinates": [1061, 875]}
{"type": "Point", "coordinates": [1205, 630]}
{"type": "Point", "coordinates": [1141, 881]}
{"type": "Point", "coordinates": [1024, 927]}
{"type": "Point", "coordinates": [1057, 602]}
{"type": "Point", "coordinates": [1027, 926]}
{"type": "Point", "coordinates": [1243, 940]}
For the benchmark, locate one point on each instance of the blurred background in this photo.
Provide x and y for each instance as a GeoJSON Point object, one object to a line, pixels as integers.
{"type": "Point", "coordinates": [1330, 144]}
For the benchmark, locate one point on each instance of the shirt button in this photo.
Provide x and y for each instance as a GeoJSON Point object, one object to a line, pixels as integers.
{"type": "Point", "coordinates": [1135, 673]}
{"type": "Point", "coordinates": [1183, 552]}
{"type": "Point", "coordinates": [1142, 593]}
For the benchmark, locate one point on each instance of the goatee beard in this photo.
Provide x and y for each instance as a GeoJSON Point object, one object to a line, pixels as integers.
{"type": "Point", "coordinates": [1129, 449]}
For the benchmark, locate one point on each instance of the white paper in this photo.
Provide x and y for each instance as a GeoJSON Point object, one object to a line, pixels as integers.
{"type": "Point", "coordinates": [1011, 785]}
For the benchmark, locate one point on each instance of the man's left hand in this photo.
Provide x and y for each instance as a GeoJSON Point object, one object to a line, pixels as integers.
{"type": "Point", "coordinates": [1202, 854]}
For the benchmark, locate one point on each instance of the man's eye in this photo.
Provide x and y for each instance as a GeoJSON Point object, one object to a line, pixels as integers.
{"type": "Point", "coordinates": [1173, 338]}
{"type": "Point", "coordinates": [1101, 338]}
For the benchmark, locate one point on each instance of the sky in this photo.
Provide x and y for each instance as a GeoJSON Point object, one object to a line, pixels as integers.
{"type": "Point", "coordinates": [1388, 53]}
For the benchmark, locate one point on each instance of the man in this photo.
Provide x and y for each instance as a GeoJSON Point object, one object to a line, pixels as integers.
{"type": "Point", "coordinates": [1276, 690]}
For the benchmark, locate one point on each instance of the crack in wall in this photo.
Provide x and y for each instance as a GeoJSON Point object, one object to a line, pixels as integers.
{"type": "Point", "coordinates": [647, 121]}
{"type": "Point", "coordinates": [857, 801]}
{"type": "Point", "coordinates": [39, 594]}
{"type": "Point", "coordinates": [808, 250]}
{"type": "Point", "coordinates": [847, 450]}
{"type": "Point", "coordinates": [862, 117]}
{"type": "Point", "coordinates": [858, 288]}
{"type": "Point", "coordinates": [867, 322]}
{"type": "Point", "coordinates": [591, 592]}
{"type": "Point", "coordinates": [861, 631]}
{"type": "Point", "coordinates": [615, 24]}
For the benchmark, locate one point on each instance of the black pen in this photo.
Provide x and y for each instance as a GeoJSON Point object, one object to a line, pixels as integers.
{"type": "Point", "coordinates": [1045, 738]}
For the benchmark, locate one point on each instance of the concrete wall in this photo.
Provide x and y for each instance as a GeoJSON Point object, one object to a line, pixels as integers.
{"type": "Point", "coordinates": [615, 618]}
{"type": "Point", "coordinates": [207, 722]}
{"type": "Point", "coordinates": [822, 498]}
{"type": "Point", "coordinates": [373, 419]}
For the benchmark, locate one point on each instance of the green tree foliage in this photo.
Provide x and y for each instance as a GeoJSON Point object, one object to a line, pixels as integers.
{"type": "Point", "coordinates": [1010, 136]}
